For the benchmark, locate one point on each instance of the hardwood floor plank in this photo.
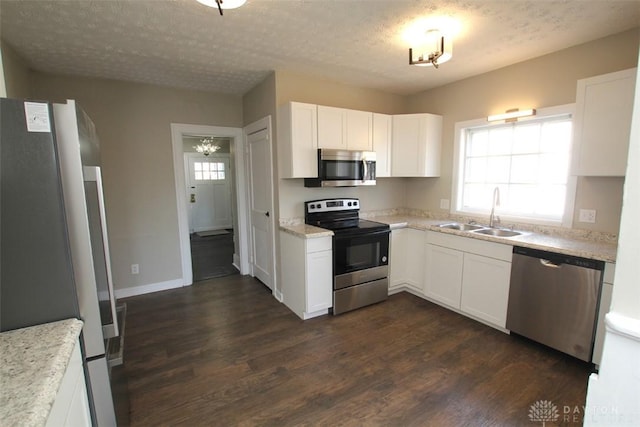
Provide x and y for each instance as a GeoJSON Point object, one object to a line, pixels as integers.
{"type": "Point", "coordinates": [225, 352]}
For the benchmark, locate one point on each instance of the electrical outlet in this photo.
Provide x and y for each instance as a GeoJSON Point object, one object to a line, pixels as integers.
{"type": "Point", "coordinates": [444, 203]}
{"type": "Point", "coordinates": [587, 215]}
{"type": "Point", "coordinates": [135, 268]}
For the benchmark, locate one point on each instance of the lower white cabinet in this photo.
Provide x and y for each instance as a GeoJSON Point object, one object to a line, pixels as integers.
{"type": "Point", "coordinates": [443, 275]}
{"type": "Point", "coordinates": [460, 275]}
{"type": "Point", "coordinates": [605, 305]}
{"type": "Point", "coordinates": [71, 407]}
{"type": "Point", "coordinates": [307, 274]}
{"type": "Point", "coordinates": [485, 288]}
{"type": "Point", "coordinates": [406, 259]}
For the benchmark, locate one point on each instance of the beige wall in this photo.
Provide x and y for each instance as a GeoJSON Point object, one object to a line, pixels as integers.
{"type": "Point", "coordinates": [16, 73]}
{"type": "Point", "coordinates": [389, 193]}
{"type": "Point", "coordinates": [133, 122]}
{"type": "Point", "coordinates": [541, 82]}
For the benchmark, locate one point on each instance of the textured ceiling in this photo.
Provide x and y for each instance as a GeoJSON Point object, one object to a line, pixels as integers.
{"type": "Point", "coordinates": [182, 43]}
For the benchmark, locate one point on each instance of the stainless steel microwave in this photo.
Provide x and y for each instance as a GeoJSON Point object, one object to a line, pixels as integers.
{"type": "Point", "coordinates": [344, 168]}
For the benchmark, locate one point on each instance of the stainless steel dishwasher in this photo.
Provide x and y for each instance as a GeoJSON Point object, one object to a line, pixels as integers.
{"type": "Point", "coordinates": [554, 298]}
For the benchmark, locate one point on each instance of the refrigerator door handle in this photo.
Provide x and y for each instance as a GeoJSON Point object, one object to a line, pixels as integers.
{"type": "Point", "coordinates": [93, 174]}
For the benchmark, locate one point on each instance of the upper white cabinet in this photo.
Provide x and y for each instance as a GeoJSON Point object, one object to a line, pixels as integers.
{"type": "Point", "coordinates": [417, 141]}
{"type": "Point", "coordinates": [604, 105]}
{"type": "Point", "coordinates": [382, 144]}
{"type": "Point", "coordinates": [344, 129]}
{"type": "Point", "coordinates": [298, 140]}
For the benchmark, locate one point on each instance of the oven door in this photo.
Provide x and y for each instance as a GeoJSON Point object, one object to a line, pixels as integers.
{"type": "Point", "coordinates": [360, 258]}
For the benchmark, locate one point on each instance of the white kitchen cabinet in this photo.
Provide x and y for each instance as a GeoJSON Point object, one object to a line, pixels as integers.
{"type": "Point", "coordinates": [71, 406]}
{"type": "Point", "coordinates": [382, 144]}
{"type": "Point", "coordinates": [416, 145]}
{"type": "Point", "coordinates": [344, 129]}
{"type": "Point", "coordinates": [443, 275]}
{"type": "Point", "coordinates": [397, 257]}
{"type": "Point", "coordinates": [307, 274]}
{"type": "Point", "coordinates": [485, 288]}
{"type": "Point", "coordinates": [469, 275]}
{"type": "Point", "coordinates": [605, 305]}
{"type": "Point", "coordinates": [298, 140]}
{"type": "Point", "coordinates": [407, 259]}
{"type": "Point", "coordinates": [604, 105]}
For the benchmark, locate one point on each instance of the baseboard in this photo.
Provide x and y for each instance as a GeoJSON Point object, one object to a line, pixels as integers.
{"type": "Point", "coordinates": [278, 295]}
{"type": "Point", "coordinates": [236, 262]}
{"type": "Point", "coordinates": [147, 289]}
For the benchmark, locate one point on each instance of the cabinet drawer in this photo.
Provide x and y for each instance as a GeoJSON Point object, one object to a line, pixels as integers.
{"type": "Point", "coordinates": [470, 245]}
{"type": "Point", "coordinates": [319, 244]}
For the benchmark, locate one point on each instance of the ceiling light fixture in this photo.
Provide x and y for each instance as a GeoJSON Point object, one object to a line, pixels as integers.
{"type": "Point", "coordinates": [512, 115]}
{"type": "Point", "coordinates": [206, 146]}
{"type": "Point", "coordinates": [223, 4]}
{"type": "Point", "coordinates": [434, 50]}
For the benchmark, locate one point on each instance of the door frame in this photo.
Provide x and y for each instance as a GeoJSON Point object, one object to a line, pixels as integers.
{"type": "Point", "coordinates": [263, 124]}
{"type": "Point", "coordinates": [178, 131]}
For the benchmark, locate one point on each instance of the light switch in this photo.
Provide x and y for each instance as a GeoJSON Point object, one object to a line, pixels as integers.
{"type": "Point", "coordinates": [444, 203]}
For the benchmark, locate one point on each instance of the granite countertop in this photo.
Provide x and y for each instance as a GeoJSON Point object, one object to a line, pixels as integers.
{"type": "Point", "coordinates": [33, 361]}
{"type": "Point", "coordinates": [590, 247]}
{"type": "Point", "coordinates": [306, 231]}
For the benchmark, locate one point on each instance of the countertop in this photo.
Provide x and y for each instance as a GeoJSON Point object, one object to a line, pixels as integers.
{"type": "Point", "coordinates": [569, 242]}
{"type": "Point", "coordinates": [33, 361]}
{"type": "Point", "coordinates": [593, 248]}
{"type": "Point", "coordinates": [306, 231]}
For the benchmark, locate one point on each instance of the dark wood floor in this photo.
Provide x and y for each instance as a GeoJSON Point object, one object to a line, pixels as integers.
{"type": "Point", "coordinates": [224, 352]}
{"type": "Point", "coordinates": [212, 256]}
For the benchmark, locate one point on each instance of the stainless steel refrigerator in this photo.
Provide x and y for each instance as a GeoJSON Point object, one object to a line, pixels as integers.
{"type": "Point", "coordinates": [53, 238]}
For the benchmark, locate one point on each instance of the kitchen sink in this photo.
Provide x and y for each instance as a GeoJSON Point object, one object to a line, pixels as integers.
{"type": "Point", "coordinates": [498, 232]}
{"type": "Point", "coordinates": [461, 227]}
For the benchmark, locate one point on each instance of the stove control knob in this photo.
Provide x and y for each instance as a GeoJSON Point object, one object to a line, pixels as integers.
{"type": "Point", "coordinates": [355, 203]}
{"type": "Point", "coordinates": [384, 259]}
{"type": "Point", "coordinates": [349, 204]}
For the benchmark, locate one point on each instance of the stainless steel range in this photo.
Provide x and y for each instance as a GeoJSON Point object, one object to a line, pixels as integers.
{"type": "Point", "coordinates": [360, 252]}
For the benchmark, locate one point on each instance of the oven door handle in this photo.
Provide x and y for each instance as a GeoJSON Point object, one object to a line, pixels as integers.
{"type": "Point", "coordinates": [343, 236]}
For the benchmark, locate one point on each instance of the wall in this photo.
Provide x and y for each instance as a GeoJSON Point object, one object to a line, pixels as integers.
{"type": "Point", "coordinates": [133, 122]}
{"type": "Point", "coordinates": [388, 193]}
{"type": "Point", "coordinates": [541, 82]}
{"type": "Point", "coordinates": [16, 73]}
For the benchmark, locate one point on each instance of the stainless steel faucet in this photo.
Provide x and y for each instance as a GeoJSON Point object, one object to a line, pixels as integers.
{"type": "Point", "coordinates": [493, 218]}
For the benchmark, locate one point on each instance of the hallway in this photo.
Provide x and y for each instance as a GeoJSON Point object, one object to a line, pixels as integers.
{"type": "Point", "coordinates": [212, 256]}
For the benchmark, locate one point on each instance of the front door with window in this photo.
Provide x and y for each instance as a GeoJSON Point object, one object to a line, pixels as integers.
{"type": "Point", "coordinates": [208, 192]}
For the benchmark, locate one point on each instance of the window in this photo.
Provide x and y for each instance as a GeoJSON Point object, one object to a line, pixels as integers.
{"type": "Point", "coordinates": [208, 171]}
{"type": "Point", "coordinates": [528, 161]}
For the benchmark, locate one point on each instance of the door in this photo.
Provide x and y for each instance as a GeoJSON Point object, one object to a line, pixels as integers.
{"type": "Point", "coordinates": [260, 200]}
{"type": "Point", "coordinates": [208, 192]}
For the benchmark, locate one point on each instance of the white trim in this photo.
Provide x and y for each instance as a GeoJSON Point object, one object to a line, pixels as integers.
{"type": "Point", "coordinates": [179, 130]}
{"type": "Point", "coordinates": [257, 126]}
{"type": "Point", "coordinates": [456, 191]}
{"type": "Point", "coordinates": [622, 325]}
{"type": "Point", "coordinates": [147, 289]}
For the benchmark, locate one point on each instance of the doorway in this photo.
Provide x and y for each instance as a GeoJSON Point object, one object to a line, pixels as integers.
{"type": "Point", "coordinates": [209, 186]}
{"type": "Point", "coordinates": [238, 234]}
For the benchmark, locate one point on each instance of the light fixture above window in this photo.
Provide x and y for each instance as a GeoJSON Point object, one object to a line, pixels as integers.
{"type": "Point", "coordinates": [512, 115]}
{"type": "Point", "coordinates": [433, 50]}
{"type": "Point", "coordinates": [206, 146]}
{"type": "Point", "coordinates": [223, 4]}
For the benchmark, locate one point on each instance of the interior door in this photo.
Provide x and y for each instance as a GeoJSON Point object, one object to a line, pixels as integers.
{"type": "Point", "coordinates": [261, 196]}
{"type": "Point", "coordinates": [208, 192]}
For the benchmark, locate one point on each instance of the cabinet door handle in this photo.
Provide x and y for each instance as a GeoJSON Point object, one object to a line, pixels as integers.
{"type": "Point", "coordinates": [266, 214]}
